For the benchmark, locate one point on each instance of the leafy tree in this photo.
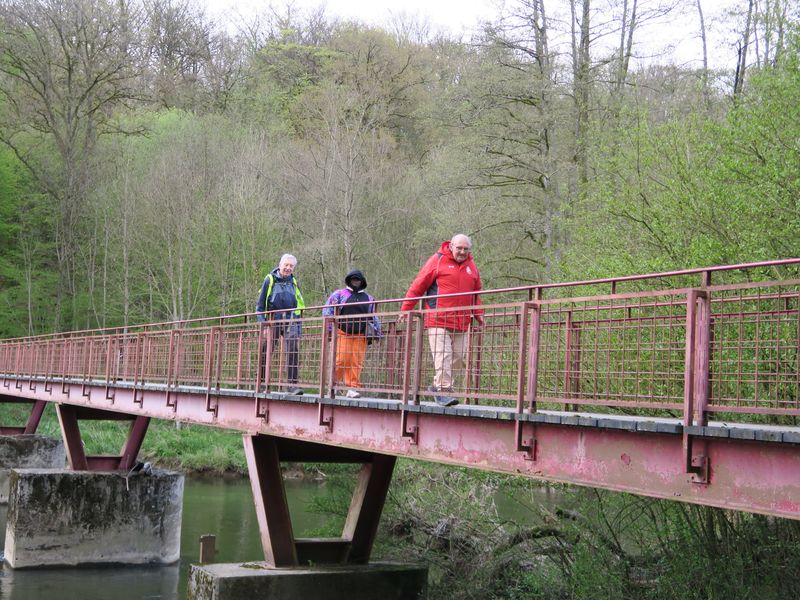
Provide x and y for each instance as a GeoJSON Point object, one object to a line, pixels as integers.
{"type": "Point", "coordinates": [65, 67]}
{"type": "Point", "coordinates": [693, 190]}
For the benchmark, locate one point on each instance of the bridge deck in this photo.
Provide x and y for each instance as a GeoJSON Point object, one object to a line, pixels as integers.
{"type": "Point", "coordinates": [746, 467]}
{"type": "Point", "coordinates": [646, 423]}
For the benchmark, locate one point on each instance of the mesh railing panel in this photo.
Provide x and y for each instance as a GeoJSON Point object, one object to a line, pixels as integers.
{"type": "Point", "coordinates": [613, 352]}
{"type": "Point", "coordinates": [754, 348]}
{"type": "Point", "coordinates": [623, 351]}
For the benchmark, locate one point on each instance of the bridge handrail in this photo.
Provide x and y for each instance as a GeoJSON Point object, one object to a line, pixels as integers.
{"type": "Point", "coordinates": [534, 291]}
{"type": "Point", "coordinates": [723, 348]}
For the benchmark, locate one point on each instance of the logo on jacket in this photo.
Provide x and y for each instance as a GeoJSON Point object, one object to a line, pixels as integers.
{"type": "Point", "coordinates": [469, 271]}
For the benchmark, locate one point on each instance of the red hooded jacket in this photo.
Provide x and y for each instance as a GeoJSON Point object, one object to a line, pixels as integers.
{"type": "Point", "coordinates": [441, 274]}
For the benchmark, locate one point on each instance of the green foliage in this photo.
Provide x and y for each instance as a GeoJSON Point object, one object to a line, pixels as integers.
{"type": "Point", "coordinates": [448, 518]}
{"type": "Point", "coordinates": [194, 448]}
{"type": "Point", "coordinates": [352, 147]}
{"type": "Point", "coordinates": [26, 252]}
{"type": "Point", "coordinates": [283, 69]}
{"type": "Point", "coordinates": [640, 548]}
{"type": "Point", "coordinates": [695, 190]}
{"type": "Point", "coordinates": [334, 501]}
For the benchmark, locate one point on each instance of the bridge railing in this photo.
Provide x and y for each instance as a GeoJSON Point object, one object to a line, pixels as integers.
{"type": "Point", "coordinates": [701, 350]}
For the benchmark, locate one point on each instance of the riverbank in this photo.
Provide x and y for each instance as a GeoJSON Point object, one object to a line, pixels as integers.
{"type": "Point", "coordinates": [189, 448]}
{"type": "Point", "coordinates": [589, 545]}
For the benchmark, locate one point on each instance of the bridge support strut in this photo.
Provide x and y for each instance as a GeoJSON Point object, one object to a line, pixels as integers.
{"type": "Point", "coordinates": [281, 549]}
{"type": "Point", "coordinates": [68, 417]}
{"type": "Point", "coordinates": [32, 423]}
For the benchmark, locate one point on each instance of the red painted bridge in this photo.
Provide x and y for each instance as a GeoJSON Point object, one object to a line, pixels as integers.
{"type": "Point", "coordinates": [682, 385]}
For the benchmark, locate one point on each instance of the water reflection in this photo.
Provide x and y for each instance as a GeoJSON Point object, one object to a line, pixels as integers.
{"type": "Point", "coordinates": [91, 584]}
{"type": "Point", "coordinates": [219, 506]}
{"type": "Point", "coordinates": [527, 505]}
{"type": "Point", "coordinates": [222, 507]}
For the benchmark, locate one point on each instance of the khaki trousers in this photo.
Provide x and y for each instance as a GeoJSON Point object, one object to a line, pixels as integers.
{"type": "Point", "coordinates": [449, 351]}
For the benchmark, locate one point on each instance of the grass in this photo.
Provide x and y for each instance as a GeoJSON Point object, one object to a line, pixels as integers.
{"type": "Point", "coordinates": [192, 448]}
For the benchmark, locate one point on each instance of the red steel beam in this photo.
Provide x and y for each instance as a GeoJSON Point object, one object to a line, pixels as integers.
{"type": "Point", "coordinates": [366, 506]}
{"type": "Point", "coordinates": [269, 494]}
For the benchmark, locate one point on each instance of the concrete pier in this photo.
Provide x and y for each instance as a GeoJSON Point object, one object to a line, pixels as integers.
{"type": "Point", "coordinates": [28, 452]}
{"type": "Point", "coordinates": [373, 581]}
{"type": "Point", "coordinates": [71, 518]}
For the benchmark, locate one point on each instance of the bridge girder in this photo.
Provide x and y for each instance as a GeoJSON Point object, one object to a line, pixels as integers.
{"type": "Point", "coordinates": [754, 475]}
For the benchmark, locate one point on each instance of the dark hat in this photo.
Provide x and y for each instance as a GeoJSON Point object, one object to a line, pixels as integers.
{"type": "Point", "coordinates": [355, 274]}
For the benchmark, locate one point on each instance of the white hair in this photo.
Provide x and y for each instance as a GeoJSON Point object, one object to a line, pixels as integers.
{"type": "Point", "coordinates": [290, 257]}
{"type": "Point", "coordinates": [462, 236]}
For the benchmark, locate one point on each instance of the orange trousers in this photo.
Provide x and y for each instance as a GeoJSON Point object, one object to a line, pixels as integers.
{"type": "Point", "coordinates": [350, 352]}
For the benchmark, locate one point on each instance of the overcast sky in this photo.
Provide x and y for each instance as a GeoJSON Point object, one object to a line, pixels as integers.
{"type": "Point", "coordinates": [455, 15]}
{"type": "Point", "coordinates": [460, 17]}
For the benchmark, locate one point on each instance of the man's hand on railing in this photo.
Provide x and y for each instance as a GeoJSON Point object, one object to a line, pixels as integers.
{"type": "Point", "coordinates": [480, 320]}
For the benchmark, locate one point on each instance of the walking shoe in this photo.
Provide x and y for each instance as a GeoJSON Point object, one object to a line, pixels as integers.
{"type": "Point", "coordinates": [295, 391]}
{"type": "Point", "coordinates": [446, 400]}
{"type": "Point", "coordinates": [352, 394]}
{"type": "Point", "coordinates": [442, 400]}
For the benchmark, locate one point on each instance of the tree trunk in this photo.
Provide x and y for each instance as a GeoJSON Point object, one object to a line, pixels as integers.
{"type": "Point", "coordinates": [704, 40]}
{"type": "Point", "coordinates": [581, 75]}
{"type": "Point", "coordinates": [741, 65]}
{"type": "Point", "coordinates": [627, 30]}
{"type": "Point", "coordinates": [549, 181]}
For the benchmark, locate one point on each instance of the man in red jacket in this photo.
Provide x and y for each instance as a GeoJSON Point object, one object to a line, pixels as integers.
{"type": "Point", "coordinates": [450, 271]}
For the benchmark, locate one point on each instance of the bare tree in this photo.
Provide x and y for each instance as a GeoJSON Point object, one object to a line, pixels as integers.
{"type": "Point", "coordinates": [225, 69]}
{"type": "Point", "coordinates": [633, 16]}
{"type": "Point", "coordinates": [176, 51]}
{"type": "Point", "coordinates": [769, 30]}
{"type": "Point", "coordinates": [523, 135]}
{"type": "Point", "coordinates": [741, 63]}
{"type": "Point", "coordinates": [64, 69]}
{"type": "Point", "coordinates": [781, 12]}
{"type": "Point", "coordinates": [627, 28]}
{"type": "Point", "coordinates": [704, 41]}
{"type": "Point", "coordinates": [409, 29]}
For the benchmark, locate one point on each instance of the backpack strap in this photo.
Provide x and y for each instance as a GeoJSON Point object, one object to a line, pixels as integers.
{"type": "Point", "coordinates": [433, 290]}
{"type": "Point", "coordinates": [271, 280]}
{"type": "Point", "coordinates": [301, 304]}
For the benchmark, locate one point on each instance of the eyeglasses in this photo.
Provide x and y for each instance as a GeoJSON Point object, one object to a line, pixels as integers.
{"type": "Point", "coordinates": [462, 248]}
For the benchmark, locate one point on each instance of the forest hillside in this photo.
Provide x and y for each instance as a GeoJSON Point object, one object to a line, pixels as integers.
{"type": "Point", "coordinates": [156, 163]}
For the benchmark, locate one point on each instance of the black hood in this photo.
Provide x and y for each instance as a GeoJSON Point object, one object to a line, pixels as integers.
{"type": "Point", "coordinates": [360, 275]}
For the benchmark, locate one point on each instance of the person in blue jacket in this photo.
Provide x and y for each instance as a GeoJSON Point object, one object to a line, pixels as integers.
{"type": "Point", "coordinates": [281, 302]}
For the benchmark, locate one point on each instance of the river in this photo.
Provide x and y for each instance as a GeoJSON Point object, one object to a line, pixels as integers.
{"type": "Point", "coordinates": [219, 506]}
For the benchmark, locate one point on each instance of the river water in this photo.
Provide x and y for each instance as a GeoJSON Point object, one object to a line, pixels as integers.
{"type": "Point", "coordinates": [219, 506]}
{"type": "Point", "coordinates": [223, 507]}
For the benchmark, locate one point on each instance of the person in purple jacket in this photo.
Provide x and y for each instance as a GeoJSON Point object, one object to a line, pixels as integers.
{"type": "Point", "coordinates": [359, 323]}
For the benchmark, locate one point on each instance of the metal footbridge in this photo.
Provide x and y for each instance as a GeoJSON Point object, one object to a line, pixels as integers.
{"type": "Point", "coordinates": [681, 385]}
